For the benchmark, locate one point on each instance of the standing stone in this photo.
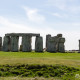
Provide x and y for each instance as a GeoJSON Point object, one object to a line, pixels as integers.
{"type": "Point", "coordinates": [0, 43]}
{"type": "Point", "coordinates": [61, 45]}
{"type": "Point", "coordinates": [47, 42]}
{"type": "Point", "coordinates": [59, 35]}
{"type": "Point", "coordinates": [57, 42]}
{"type": "Point", "coordinates": [14, 43]}
{"type": "Point", "coordinates": [52, 43]}
{"type": "Point", "coordinates": [79, 46]}
{"type": "Point", "coordinates": [39, 44]}
{"type": "Point", "coordinates": [26, 43]}
{"type": "Point", "coordinates": [6, 43]}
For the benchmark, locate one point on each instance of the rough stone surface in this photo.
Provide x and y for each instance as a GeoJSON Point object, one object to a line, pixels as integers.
{"type": "Point", "coordinates": [0, 43]}
{"type": "Point", "coordinates": [22, 34]}
{"type": "Point", "coordinates": [26, 43]}
{"type": "Point", "coordinates": [52, 43]}
{"type": "Point", "coordinates": [6, 43]}
{"type": "Point", "coordinates": [79, 46]}
{"type": "Point", "coordinates": [14, 43]}
{"type": "Point", "coordinates": [57, 42]}
{"type": "Point", "coordinates": [47, 42]}
{"type": "Point", "coordinates": [61, 45]}
{"type": "Point", "coordinates": [59, 35]}
{"type": "Point", "coordinates": [39, 44]}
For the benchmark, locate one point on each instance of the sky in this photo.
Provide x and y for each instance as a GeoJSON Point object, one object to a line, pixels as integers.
{"type": "Point", "coordinates": [44, 17]}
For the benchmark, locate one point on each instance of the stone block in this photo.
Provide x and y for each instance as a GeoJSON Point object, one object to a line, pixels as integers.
{"type": "Point", "coordinates": [26, 43]}
{"type": "Point", "coordinates": [39, 44]}
{"type": "Point", "coordinates": [6, 44]}
{"type": "Point", "coordinates": [14, 43]}
{"type": "Point", "coordinates": [0, 43]}
{"type": "Point", "coordinates": [61, 45]}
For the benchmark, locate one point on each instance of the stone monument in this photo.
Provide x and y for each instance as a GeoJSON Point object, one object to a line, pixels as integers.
{"type": "Point", "coordinates": [39, 44]}
{"type": "Point", "coordinates": [11, 42]}
{"type": "Point", "coordinates": [61, 45]}
{"type": "Point", "coordinates": [6, 43]}
{"type": "Point", "coordinates": [0, 43]}
{"type": "Point", "coordinates": [55, 44]}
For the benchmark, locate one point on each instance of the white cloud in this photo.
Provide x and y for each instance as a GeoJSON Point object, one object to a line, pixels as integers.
{"type": "Point", "coordinates": [33, 15]}
{"type": "Point", "coordinates": [66, 5]}
{"type": "Point", "coordinates": [59, 15]}
{"type": "Point", "coordinates": [61, 4]}
{"type": "Point", "coordinates": [9, 27]}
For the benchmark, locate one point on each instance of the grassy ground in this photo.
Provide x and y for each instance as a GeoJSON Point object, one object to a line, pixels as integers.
{"type": "Point", "coordinates": [14, 58]}
{"type": "Point", "coordinates": [25, 78]}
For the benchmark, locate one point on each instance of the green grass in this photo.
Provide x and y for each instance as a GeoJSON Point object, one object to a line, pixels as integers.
{"type": "Point", "coordinates": [47, 71]}
{"type": "Point", "coordinates": [18, 58]}
{"type": "Point", "coordinates": [12, 58]}
{"type": "Point", "coordinates": [25, 78]}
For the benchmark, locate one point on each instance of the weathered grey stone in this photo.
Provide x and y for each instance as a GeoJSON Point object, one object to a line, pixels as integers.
{"type": "Point", "coordinates": [0, 43]}
{"type": "Point", "coordinates": [59, 35]}
{"type": "Point", "coordinates": [26, 43]}
{"type": "Point", "coordinates": [6, 43]}
{"type": "Point", "coordinates": [61, 45]}
{"type": "Point", "coordinates": [47, 42]}
{"type": "Point", "coordinates": [39, 44]}
{"type": "Point", "coordinates": [79, 46]}
{"type": "Point", "coordinates": [52, 43]}
{"type": "Point", "coordinates": [57, 42]}
{"type": "Point", "coordinates": [22, 34]}
{"type": "Point", "coordinates": [14, 43]}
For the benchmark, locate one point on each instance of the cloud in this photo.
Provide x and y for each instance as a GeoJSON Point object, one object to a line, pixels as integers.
{"type": "Point", "coordinates": [65, 5]}
{"type": "Point", "coordinates": [33, 15]}
{"type": "Point", "coordinates": [59, 15]}
{"type": "Point", "coordinates": [9, 27]}
{"type": "Point", "coordinates": [61, 4]}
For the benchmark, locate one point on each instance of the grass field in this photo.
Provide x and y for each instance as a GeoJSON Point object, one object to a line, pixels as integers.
{"type": "Point", "coordinates": [25, 78]}
{"type": "Point", "coordinates": [18, 58]}
{"type": "Point", "coordinates": [14, 58]}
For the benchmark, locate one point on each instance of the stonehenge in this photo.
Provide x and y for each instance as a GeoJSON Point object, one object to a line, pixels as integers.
{"type": "Point", "coordinates": [55, 44]}
{"type": "Point", "coordinates": [14, 43]}
{"type": "Point", "coordinates": [0, 43]}
{"type": "Point", "coordinates": [39, 44]}
{"type": "Point", "coordinates": [79, 46]}
{"type": "Point", "coordinates": [6, 43]}
{"type": "Point", "coordinates": [26, 43]}
{"type": "Point", "coordinates": [11, 43]}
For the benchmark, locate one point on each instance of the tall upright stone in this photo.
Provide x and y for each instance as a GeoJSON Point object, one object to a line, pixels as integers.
{"type": "Point", "coordinates": [0, 43]}
{"type": "Point", "coordinates": [6, 43]}
{"type": "Point", "coordinates": [61, 45]}
{"type": "Point", "coordinates": [14, 43]}
{"type": "Point", "coordinates": [26, 43]}
{"type": "Point", "coordinates": [57, 41]}
{"type": "Point", "coordinates": [39, 44]}
{"type": "Point", "coordinates": [52, 43]}
{"type": "Point", "coordinates": [79, 46]}
{"type": "Point", "coordinates": [48, 37]}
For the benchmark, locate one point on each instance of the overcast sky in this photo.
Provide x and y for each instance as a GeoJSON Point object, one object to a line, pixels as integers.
{"type": "Point", "coordinates": [42, 16]}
